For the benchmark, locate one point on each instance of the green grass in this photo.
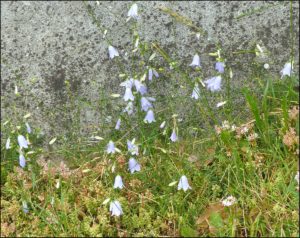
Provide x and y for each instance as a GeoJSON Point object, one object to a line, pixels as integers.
{"type": "Point", "coordinates": [259, 173]}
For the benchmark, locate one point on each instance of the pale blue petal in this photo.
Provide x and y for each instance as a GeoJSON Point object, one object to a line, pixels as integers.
{"type": "Point", "coordinates": [22, 161]}
{"type": "Point", "coordinates": [128, 95]}
{"type": "Point", "coordinates": [115, 208]}
{"type": "Point", "coordinates": [214, 84]}
{"type": "Point", "coordinates": [133, 165]}
{"type": "Point", "coordinates": [145, 104]}
{"type": "Point", "coordinates": [183, 183]}
{"type": "Point", "coordinates": [118, 124]}
{"type": "Point", "coordinates": [141, 88]}
{"type": "Point", "coordinates": [128, 83]}
{"type": "Point", "coordinates": [287, 70]}
{"type": "Point", "coordinates": [118, 182]}
{"type": "Point", "coordinates": [173, 136]}
{"type": "Point", "coordinates": [110, 147]}
{"type": "Point", "coordinates": [28, 128]}
{"type": "Point", "coordinates": [196, 61]}
{"type": "Point", "coordinates": [220, 67]}
{"type": "Point", "coordinates": [22, 142]}
{"type": "Point", "coordinates": [112, 52]}
{"type": "Point", "coordinates": [196, 92]}
{"type": "Point", "coordinates": [133, 11]}
{"type": "Point", "coordinates": [25, 207]}
{"type": "Point", "coordinates": [132, 148]}
{"type": "Point", "coordinates": [149, 117]}
{"type": "Point", "coordinates": [150, 74]}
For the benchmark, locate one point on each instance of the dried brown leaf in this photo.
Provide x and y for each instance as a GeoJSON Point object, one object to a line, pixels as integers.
{"type": "Point", "coordinates": [212, 208]}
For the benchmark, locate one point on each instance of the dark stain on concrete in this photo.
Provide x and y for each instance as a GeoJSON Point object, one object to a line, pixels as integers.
{"type": "Point", "coordinates": [56, 80]}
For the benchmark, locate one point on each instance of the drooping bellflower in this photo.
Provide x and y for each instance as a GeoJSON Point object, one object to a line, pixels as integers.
{"type": "Point", "coordinates": [132, 148]}
{"type": "Point", "coordinates": [133, 11]}
{"type": "Point", "coordinates": [146, 104]}
{"type": "Point", "coordinates": [128, 95]}
{"type": "Point", "coordinates": [183, 184]}
{"type": "Point", "coordinates": [287, 70]}
{"type": "Point", "coordinates": [115, 208]}
{"type": "Point", "coordinates": [173, 136]}
{"type": "Point", "coordinates": [22, 142]}
{"type": "Point", "coordinates": [196, 61]}
{"type": "Point", "coordinates": [220, 67]}
{"type": "Point", "coordinates": [118, 182]}
{"type": "Point", "coordinates": [128, 83]}
{"type": "Point", "coordinates": [112, 52]}
{"type": "Point", "coordinates": [214, 84]}
{"type": "Point", "coordinates": [22, 161]}
{"type": "Point", "coordinates": [141, 88]}
{"type": "Point", "coordinates": [110, 147]}
{"type": "Point", "coordinates": [196, 92]}
{"type": "Point", "coordinates": [149, 118]}
{"type": "Point", "coordinates": [133, 165]}
{"type": "Point", "coordinates": [151, 72]}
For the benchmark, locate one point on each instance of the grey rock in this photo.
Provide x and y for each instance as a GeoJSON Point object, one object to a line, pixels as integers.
{"type": "Point", "coordinates": [45, 44]}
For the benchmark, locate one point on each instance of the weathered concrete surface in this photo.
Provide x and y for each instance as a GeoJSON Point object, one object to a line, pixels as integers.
{"type": "Point", "coordinates": [43, 44]}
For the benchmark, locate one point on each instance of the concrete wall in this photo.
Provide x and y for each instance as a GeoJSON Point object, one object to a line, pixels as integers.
{"type": "Point", "coordinates": [43, 44]}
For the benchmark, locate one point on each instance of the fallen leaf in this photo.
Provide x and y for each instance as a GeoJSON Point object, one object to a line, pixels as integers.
{"type": "Point", "coordinates": [192, 158]}
{"type": "Point", "coordinates": [212, 208]}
